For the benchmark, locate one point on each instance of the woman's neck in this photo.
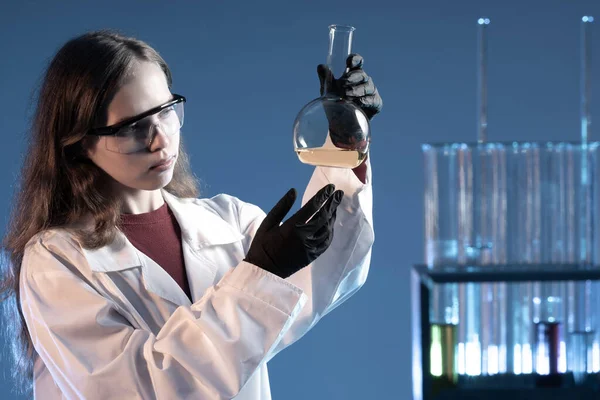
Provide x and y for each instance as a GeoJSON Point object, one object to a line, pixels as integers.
{"type": "Point", "coordinates": [141, 201]}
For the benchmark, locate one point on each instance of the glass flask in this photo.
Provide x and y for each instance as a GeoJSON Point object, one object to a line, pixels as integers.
{"type": "Point", "coordinates": [331, 131]}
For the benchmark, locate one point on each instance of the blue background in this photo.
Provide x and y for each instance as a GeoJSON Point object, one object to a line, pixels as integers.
{"type": "Point", "coordinates": [247, 67]}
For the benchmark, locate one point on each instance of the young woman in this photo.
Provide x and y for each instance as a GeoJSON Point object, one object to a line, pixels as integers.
{"type": "Point", "coordinates": [125, 284]}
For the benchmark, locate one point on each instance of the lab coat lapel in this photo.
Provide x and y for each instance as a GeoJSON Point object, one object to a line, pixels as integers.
{"type": "Point", "coordinates": [201, 275]}
{"type": "Point", "coordinates": [202, 232]}
{"type": "Point", "coordinates": [159, 282]}
{"type": "Point", "coordinates": [121, 255]}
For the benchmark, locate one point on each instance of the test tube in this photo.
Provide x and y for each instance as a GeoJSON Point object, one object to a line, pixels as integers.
{"type": "Point", "coordinates": [524, 229]}
{"type": "Point", "coordinates": [582, 295]}
{"type": "Point", "coordinates": [443, 351]}
{"type": "Point", "coordinates": [593, 149]}
{"type": "Point", "coordinates": [440, 240]}
{"type": "Point", "coordinates": [492, 234]}
{"type": "Point", "coordinates": [441, 226]}
{"type": "Point", "coordinates": [549, 301]}
{"type": "Point", "coordinates": [482, 337]}
{"type": "Point", "coordinates": [580, 349]}
{"type": "Point", "coordinates": [469, 348]}
{"type": "Point", "coordinates": [547, 345]}
{"type": "Point", "coordinates": [444, 186]}
{"type": "Point", "coordinates": [586, 342]}
{"type": "Point", "coordinates": [469, 329]}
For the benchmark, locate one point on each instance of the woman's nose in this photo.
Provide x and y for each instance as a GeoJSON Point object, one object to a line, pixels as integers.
{"type": "Point", "coordinates": [158, 138]}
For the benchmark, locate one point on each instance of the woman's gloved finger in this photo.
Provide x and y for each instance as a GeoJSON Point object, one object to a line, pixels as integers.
{"type": "Point", "coordinates": [313, 205]}
{"type": "Point", "coordinates": [354, 61]}
{"type": "Point", "coordinates": [323, 216]}
{"type": "Point", "coordinates": [354, 77]}
{"type": "Point", "coordinates": [337, 197]}
{"type": "Point", "coordinates": [369, 101]}
{"type": "Point", "coordinates": [360, 90]}
{"type": "Point", "coordinates": [371, 105]}
{"type": "Point", "coordinates": [325, 231]}
{"type": "Point", "coordinates": [278, 212]}
{"type": "Point", "coordinates": [326, 78]}
{"type": "Point", "coordinates": [318, 237]}
{"type": "Point", "coordinates": [320, 218]}
{"type": "Point", "coordinates": [324, 244]}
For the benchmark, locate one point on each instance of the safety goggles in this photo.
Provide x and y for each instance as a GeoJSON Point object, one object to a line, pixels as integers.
{"type": "Point", "coordinates": [137, 133]}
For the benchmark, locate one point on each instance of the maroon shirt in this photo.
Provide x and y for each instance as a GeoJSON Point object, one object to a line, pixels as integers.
{"type": "Point", "coordinates": [158, 235]}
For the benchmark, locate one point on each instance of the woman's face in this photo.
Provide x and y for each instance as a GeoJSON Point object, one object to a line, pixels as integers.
{"type": "Point", "coordinates": [145, 89]}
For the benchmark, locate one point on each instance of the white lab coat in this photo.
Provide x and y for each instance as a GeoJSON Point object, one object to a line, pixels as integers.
{"type": "Point", "coordinates": [112, 324]}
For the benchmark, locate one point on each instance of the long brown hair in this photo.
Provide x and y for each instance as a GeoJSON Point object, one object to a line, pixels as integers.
{"type": "Point", "coordinates": [58, 184]}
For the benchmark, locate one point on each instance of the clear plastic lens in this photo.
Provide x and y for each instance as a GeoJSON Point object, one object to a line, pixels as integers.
{"type": "Point", "coordinates": [139, 135]}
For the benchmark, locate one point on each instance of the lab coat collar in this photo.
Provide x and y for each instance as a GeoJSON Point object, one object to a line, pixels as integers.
{"type": "Point", "coordinates": [200, 227]}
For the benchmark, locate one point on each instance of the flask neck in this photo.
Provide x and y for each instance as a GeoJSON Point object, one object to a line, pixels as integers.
{"type": "Point", "coordinates": [340, 47]}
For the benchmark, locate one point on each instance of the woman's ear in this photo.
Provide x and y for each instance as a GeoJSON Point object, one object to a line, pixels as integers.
{"type": "Point", "coordinates": [82, 150]}
{"type": "Point", "coordinates": [88, 146]}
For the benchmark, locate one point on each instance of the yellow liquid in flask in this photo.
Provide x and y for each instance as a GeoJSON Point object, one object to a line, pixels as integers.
{"type": "Point", "coordinates": [331, 157]}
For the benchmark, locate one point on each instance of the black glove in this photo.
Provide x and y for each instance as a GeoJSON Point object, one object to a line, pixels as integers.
{"type": "Point", "coordinates": [287, 248]}
{"type": "Point", "coordinates": [354, 85]}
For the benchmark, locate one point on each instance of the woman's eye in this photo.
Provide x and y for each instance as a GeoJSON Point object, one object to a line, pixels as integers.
{"type": "Point", "coordinates": [166, 112]}
{"type": "Point", "coordinates": [129, 130]}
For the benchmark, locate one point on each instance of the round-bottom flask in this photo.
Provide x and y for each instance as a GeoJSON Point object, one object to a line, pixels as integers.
{"type": "Point", "coordinates": [331, 131]}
